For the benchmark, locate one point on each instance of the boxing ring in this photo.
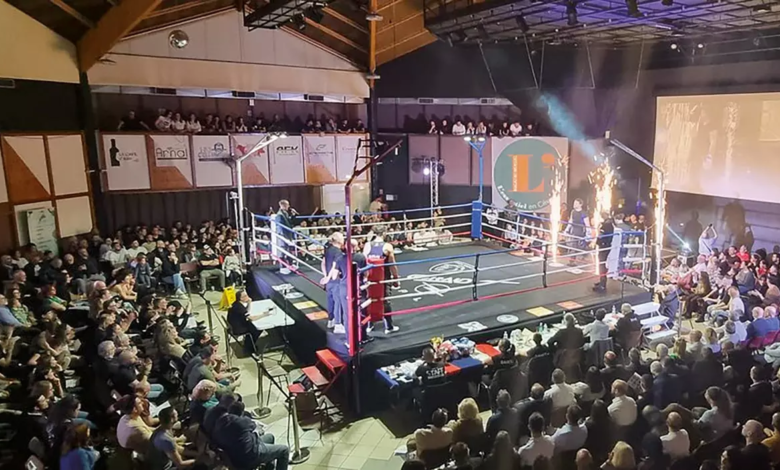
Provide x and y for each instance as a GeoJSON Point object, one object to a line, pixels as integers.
{"type": "Point", "coordinates": [471, 270]}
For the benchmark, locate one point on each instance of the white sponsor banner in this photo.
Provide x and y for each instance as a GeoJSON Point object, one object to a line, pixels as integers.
{"type": "Point", "coordinates": [212, 160]}
{"type": "Point", "coordinates": [320, 155]}
{"type": "Point", "coordinates": [125, 161]}
{"type": "Point", "coordinates": [255, 169]}
{"type": "Point", "coordinates": [173, 151]}
{"type": "Point", "coordinates": [346, 151]}
{"type": "Point", "coordinates": [42, 229]}
{"type": "Point", "coordinates": [286, 158]}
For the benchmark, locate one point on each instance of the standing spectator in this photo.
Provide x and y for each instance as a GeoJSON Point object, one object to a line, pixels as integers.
{"type": "Point", "coordinates": [131, 123]}
{"type": "Point", "coordinates": [164, 121]}
{"type": "Point", "coordinates": [217, 125]}
{"type": "Point", "coordinates": [178, 125]}
{"type": "Point", "coordinates": [458, 128]}
{"type": "Point", "coordinates": [241, 125]}
{"type": "Point", "coordinates": [676, 443]}
{"type": "Point", "coordinates": [621, 458]}
{"type": "Point", "coordinates": [209, 126]}
{"type": "Point", "coordinates": [481, 129]}
{"type": "Point", "coordinates": [330, 126]}
{"type": "Point", "coordinates": [470, 130]}
{"type": "Point", "coordinates": [277, 125]}
{"type": "Point", "coordinates": [193, 125]}
{"type": "Point", "coordinates": [259, 125]}
{"type": "Point", "coordinates": [503, 131]}
{"type": "Point", "coordinates": [209, 266]}
{"type": "Point", "coordinates": [505, 418]}
{"type": "Point", "coordinates": [469, 426]}
{"type": "Point", "coordinates": [622, 410]}
{"type": "Point", "coordinates": [344, 127]}
{"type": "Point", "coordinates": [229, 125]}
{"type": "Point", "coordinates": [539, 445]}
{"type": "Point", "coordinates": [755, 455]}
{"type": "Point", "coordinates": [773, 441]}
{"type": "Point", "coordinates": [359, 127]}
{"type": "Point", "coordinates": [515, 129]}
{"type": "Point", "coordinates": [433, 128]}
{"type": "Point", "coordinates": [572, 435]}
{"type": "Point", "coordinates": [444, 127]}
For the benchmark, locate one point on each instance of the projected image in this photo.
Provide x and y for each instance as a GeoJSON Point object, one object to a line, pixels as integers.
{"type": "Point", "coordinates": [720, 145]}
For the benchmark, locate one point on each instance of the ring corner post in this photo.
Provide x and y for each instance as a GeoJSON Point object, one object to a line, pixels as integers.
{"type": "Point", "coordinates": [476, 219]}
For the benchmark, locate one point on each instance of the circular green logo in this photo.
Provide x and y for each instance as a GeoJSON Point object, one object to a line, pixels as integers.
{"type": "Point", "coordinates": [524, 173]}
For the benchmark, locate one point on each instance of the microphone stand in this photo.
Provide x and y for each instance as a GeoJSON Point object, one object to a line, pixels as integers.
{"type": "Point", "coordinates": [209, 309]}
{"type": "Point", "coordinates": [298, 454]}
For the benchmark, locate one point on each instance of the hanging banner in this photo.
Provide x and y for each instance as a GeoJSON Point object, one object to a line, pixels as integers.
{"type": "Point", "coordinates": [346, 151]}
{"type": "Point", "coordinates": [524, 170]}
{"type": "Point", "coordinates": [320, 157]}
{"type": "Point", "coordinates": [171, 162]}
{"type": "Point", "coordinates": [42, 229]}
{"type": "Point", "coordinates": [125, 162]}
{"type": "Point", "coordinates": [212, 161]}
{"type": "Point", "coordinates": [286, 158]}
{"type": "Point", "coordinates": [255, 169]}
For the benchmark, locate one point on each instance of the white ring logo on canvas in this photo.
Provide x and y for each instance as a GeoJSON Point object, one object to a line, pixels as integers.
{"type": "Point", "coordinates": [432, 288]}
{"type": "Point", "coordinates": [507, 319]}
{"type": "Point", "coordinates": [451, 267]}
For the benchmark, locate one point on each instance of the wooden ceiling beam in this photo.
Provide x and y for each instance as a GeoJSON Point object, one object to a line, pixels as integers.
{"type": "Point", "coordinates": [112, 27]}
{"type": "Point", "coordinates": [179, 8]}
{"type": "Point", "coordinates": [74, 13]}
{"type": "Point", "coordinates": [344, 19]}
{"type": "Point", "coordinates": [335, 35]}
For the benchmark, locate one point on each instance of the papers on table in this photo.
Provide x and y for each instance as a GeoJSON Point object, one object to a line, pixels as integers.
{"type": "Point", "coordinates": [271, 316]}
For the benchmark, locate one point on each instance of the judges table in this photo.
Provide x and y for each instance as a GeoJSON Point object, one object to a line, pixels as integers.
{"type": "Point", "coordinates": [271, 315]}
{"type": "Point", "coordinates": [402, 375]}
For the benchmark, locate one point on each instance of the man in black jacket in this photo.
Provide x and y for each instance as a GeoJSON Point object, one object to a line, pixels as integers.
{"type": "Point", "coordinates": [535, 403]}
{"type": "Point", "coordinates": [604, 243]}
{"type": "Point", "coordinates": [240, 320]}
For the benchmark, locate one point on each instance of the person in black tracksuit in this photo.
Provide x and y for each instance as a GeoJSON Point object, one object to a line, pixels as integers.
{"type": "Point", "coordinates": [604, 243]}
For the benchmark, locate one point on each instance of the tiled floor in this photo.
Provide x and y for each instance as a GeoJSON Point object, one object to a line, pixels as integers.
{"type": "Point", "coordinates": [366, 444]}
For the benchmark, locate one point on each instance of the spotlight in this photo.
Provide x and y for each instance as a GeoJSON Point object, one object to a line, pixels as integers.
{"type": "Point", "coordinates": [700, 45]}
{"type": "Point", "coordinates": [521, 23]}
{"type": "Point", "coordinates": [426, 171]}
{"type": "Point", "coordinates": [481, 138]}
{"type": "Point", "coordinates": [633, 8]}
{"type": "Point", "coordinates": [667, 3]}
{"type": "Point", "coordinates": [571, 13]}
{"type": "Point", "coordinates": [674, 46]}
{"type": "Point", "coordinates": [467, 138]}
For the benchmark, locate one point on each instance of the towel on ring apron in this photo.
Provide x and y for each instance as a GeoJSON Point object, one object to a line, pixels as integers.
{"type": "Point", "coordinates": [376, 292]}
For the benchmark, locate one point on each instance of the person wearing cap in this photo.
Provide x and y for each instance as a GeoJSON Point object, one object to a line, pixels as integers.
{"type": "Point", "coordinates": [209, 266]}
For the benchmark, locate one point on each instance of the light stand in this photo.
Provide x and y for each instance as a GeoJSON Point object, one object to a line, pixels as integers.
{"type": "Point", "coordinates": [265, 141]}
{"type": "Point", "coordinates": [478, 144]}
{"type": "Point", "coordinates": [298, 454]}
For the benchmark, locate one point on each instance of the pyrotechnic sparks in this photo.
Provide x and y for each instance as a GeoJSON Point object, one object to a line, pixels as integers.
{"type": "Point", "coordinates": [603, 178]}
{"type": "Point", "coordinates": [555, 213]}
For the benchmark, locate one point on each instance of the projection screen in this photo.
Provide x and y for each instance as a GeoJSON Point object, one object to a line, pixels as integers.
{"type": "Point", "coordinates": [720, 145]}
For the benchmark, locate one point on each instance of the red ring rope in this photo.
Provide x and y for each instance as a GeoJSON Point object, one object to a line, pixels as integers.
{"type": "Point", "coordinates": [488, 297]}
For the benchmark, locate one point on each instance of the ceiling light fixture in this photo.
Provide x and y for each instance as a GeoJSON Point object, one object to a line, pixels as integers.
{"type": "Point", "coordinates": [633, 8]}
{"type": "Point", "coordinates": [571, 13]}
{"type": "Point", "coordinates": [674, 46]}
{"type": "Point", "coordinates": [700, 45]}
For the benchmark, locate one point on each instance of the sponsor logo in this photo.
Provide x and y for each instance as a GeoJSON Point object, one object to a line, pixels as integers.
{"type": "Point", "coordinates": [218, 151]}
{"type": "Point", "coordinates": [524, 172]}
{"type": "Point", "coordinates": [171, 153]}
{"type": "Point", "coordinates": [117, 156]}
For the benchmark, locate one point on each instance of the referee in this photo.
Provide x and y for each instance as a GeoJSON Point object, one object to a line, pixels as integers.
{"type": "Point", "coordinates": [284, 228]}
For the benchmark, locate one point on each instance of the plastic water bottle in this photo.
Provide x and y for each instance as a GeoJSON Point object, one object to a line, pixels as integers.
{"type": "Point", "coordinates": [613, 309]}
{"type": "Point", "coordinates": [506, 335]}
